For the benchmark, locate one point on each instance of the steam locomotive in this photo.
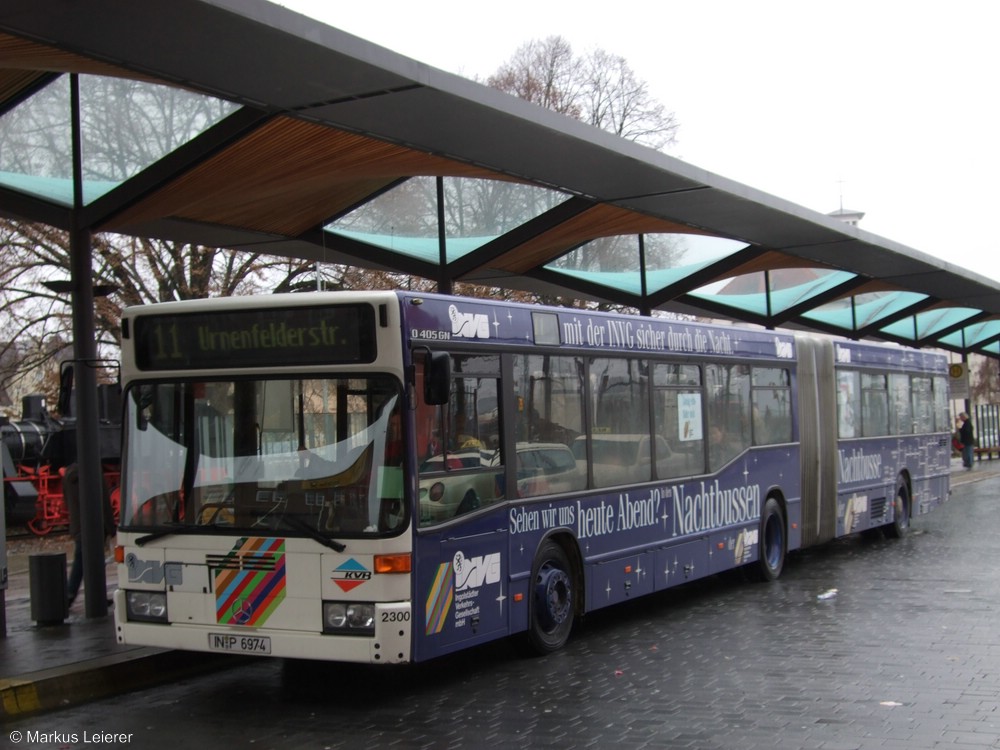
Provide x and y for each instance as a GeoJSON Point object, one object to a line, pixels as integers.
{"type": "Point", "coordinates": [35, 452]}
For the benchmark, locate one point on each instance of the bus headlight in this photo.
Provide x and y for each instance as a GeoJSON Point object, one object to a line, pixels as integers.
{"type": "Point", "coordinates": [146, 606]}
{"type": "Point", "coordinates": [349, 618]}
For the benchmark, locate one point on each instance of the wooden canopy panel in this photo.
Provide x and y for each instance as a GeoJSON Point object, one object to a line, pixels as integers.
{"type": "Point", "coordinates": [601, 220]}
{"type": "Point", "coordinates": [287, 177]}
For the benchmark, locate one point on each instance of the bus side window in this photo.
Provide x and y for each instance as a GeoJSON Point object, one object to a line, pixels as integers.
{"type": "Point", "coordinates": [874, 404]}
{"type": "Point", "coordinates": [728, 406]}
{"type": "Point", "coordinates": [900, 413]}
{"type": "Point", "coordinates": [848, 404]}
{"type": "Point", "coordinates": [772, 406]}
{"type": "Point", "coordinates": [678, 419]}
{"type": "Point", "coordinates": [458, 444]}
{"type": "Point", "coordinates": [621, 450]}
{"type": "Point", "coordinates": [922, 403]}
{"type": "Point", "coordinates": [942, 414]}
{"type": "Point", "coordinates": [548, 424]}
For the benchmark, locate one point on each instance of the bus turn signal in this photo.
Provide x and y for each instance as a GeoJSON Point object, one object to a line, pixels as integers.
{"type": "Point", "coordinates": [398, 563]}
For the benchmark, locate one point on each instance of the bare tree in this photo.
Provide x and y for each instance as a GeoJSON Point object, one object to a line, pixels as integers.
{"type": "Point", "coordinates": [36, 322]}
{"type": "Point", "coordinates": [544, 72]}
{"type": "Point", "coordinates": [616, 100]}
{"type": "Point", "coordinates": [986, 379]}
{"type": "Point", "coordinates": [599, 88]}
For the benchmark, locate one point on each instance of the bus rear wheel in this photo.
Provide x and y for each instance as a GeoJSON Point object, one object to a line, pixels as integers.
{"type": "Point", "coordinates": [771, 559]}
{"type": "Point", "coordinates": [901, 513]}
{"type": "Point", "coordinates": [552, 609]}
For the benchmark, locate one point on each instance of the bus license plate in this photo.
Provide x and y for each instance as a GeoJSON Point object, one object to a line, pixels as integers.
{"type": "Point", "coordinates": [239, 644]}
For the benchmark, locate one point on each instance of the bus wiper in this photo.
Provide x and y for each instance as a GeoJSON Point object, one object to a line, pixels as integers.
{"type": "Point", "coordinates": [177, 528]}
{"type": "Point", "coordinates": [299, 525]}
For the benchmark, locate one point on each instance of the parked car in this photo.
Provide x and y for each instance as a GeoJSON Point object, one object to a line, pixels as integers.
{"type": "Point", "coordinates": [622, 459]}
{"type": "Point", "coordinates": [456, 483]}
{"type": "Point", "coordinates": [544, 468]}
{"type": "Point", "coordinates": [469, 480]}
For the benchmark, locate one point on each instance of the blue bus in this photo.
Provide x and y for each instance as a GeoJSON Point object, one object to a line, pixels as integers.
{"type": "Point", "coordinates": [387, 477]}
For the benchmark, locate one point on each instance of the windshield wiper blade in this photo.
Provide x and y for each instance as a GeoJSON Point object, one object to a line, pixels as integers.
{"type": "Point", "coordinates": [176, 528]}
{"type": "Point", "coordinates": [299, 525]}
{"type": "Point", "coordinates": [213, 528]}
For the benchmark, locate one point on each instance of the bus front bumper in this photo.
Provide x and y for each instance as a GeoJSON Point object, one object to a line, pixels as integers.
{"type": "Point", "coordinates": [389, 645]}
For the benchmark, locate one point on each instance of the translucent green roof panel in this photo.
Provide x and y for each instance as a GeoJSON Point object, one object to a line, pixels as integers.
{"type": "Point", "coordinates": [54, 189]}
{"type": "Point", "coordinates": [973, 335]}
{"type": "Point", "coordinates": [631, 281]}
{"type": "Point", "coordinates": [928, 323]}
{"type": "Point", "coordinates": [788, 289]}
{"type": "Point", "coordinates": [668, 253]}
{"type": "Point", "coordinates": [125, 126]}
{"type": "Point", "coordinates": [427, 249]}
{"type": "Point", "coordinates": [35, 138]}
{"type": "Point", "coordinates": [770, 294]}
{"type": "Point", "coordinates": [609, 261]}
{"type": "Point", "coordinates": [863, 310]}
{"type": "Point", "coordinates": [476, 212]}
{"type": "Point", "coordinates": [485, 209]}
{"type": "Point", "coordinates": [614, 261]}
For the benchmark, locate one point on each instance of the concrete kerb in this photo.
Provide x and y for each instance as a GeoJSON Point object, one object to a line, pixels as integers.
{"type": "Point", "coordinates": [60, 687]}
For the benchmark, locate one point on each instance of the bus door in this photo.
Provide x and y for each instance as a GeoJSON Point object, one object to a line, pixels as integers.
{"type": "Point", "coordinates": [462, 593]}
{"type": "Point", "coordinates": [460, 549]}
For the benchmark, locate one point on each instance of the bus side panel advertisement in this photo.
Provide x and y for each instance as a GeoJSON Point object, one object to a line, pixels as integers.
{"type": "Point", "coordinates": [694, 528]}
{"type": "Point", "coordinates": [457, 321]}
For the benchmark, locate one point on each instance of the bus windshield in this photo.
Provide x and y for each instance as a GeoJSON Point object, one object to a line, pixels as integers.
{"type": "Point", "coordinates": [318, 456]}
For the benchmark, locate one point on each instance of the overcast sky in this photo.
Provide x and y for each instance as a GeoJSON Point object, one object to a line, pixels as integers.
{"type": "Point", "coordinates": [892, 107]}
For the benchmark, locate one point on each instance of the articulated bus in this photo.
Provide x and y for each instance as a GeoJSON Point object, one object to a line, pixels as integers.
{"type": "Point", "coordinates": [386, 477]}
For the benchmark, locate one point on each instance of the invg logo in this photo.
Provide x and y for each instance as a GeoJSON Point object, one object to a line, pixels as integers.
{"type": "Point", "coordinates": [468, 325]}
{"type": "Point", "coordinates": [473, 572]}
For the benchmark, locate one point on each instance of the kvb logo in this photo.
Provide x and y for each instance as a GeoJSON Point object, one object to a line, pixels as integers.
{"type": "Point", "coordinates": [468, 325]}
{"type": "Point", "coordinates": [351, 574]}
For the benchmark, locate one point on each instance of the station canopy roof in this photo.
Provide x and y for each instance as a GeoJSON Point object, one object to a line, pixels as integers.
{"type": "Point", "coordinates": [241, 124]}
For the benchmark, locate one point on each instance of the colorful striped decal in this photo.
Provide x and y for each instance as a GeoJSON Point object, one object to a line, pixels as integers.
{"type": "Point", "coordinates": [245, 594]}
{"type": "Point", "coordinates": [439, 599]}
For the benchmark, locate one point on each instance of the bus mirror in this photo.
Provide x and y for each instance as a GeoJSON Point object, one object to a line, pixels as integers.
{"type": "Point", "coordinates": [437, 378]}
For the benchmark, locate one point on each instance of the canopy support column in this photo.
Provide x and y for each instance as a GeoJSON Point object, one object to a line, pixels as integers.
{"type": "Point", "coordinates": [85, 381]}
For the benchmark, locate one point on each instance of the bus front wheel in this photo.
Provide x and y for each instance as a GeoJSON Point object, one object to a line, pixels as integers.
{"type": "Point", "coordinates": [552, 609]}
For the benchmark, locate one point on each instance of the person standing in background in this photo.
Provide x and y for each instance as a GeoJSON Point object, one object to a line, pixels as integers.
{"type": "Point", "coordinates": [966, 438]}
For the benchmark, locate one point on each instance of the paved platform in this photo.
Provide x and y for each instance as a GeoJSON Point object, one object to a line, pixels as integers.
{"type": "Point", "coordinates": [44, 667]}
{"type": "Point", "coordinates": [48, 667]}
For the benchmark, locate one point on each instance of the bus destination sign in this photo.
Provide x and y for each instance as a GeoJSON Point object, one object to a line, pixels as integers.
{"type": "Point", "coordinates": [307, 335]}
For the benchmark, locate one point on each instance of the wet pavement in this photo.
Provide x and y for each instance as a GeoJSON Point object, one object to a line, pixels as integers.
{"type": "Point", "coordinates": [905, 654]}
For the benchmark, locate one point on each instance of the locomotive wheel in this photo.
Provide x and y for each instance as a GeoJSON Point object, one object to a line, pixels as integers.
{"type": "Point", "coordinates": [39, 526]}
